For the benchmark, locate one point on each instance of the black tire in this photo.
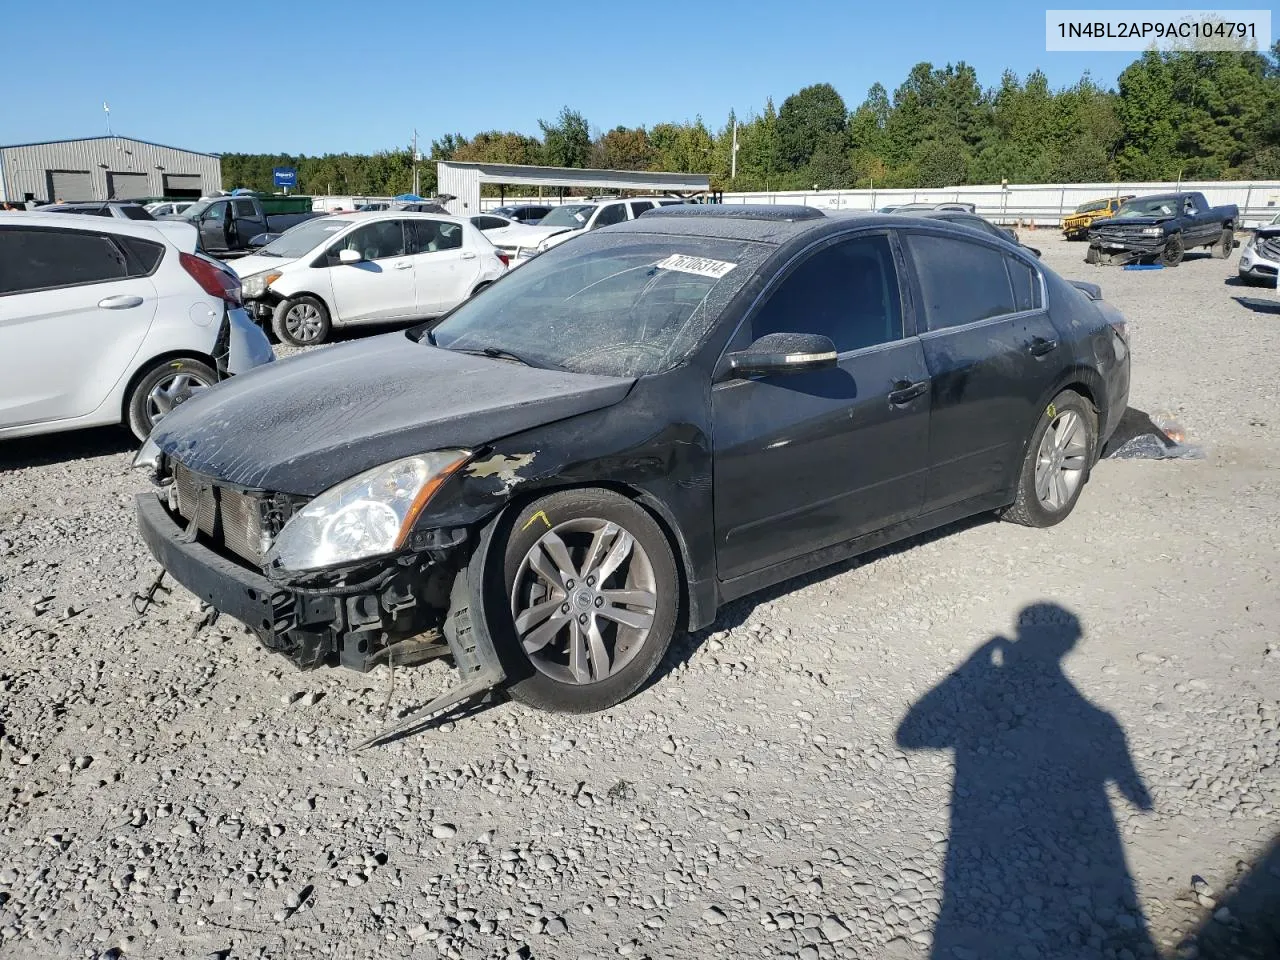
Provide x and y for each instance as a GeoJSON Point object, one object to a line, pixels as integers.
{"type": "Point", "coordinates": [141, 414]}
{"type": "Point", "coordinates": [1225, 245]}
{"type": "Point", "coordinates": [1028, 509]}
{"type": "Point", "coordinates": [317, 325]}
{"type": "Point", "coordinates": [1173, 251]}
{"type": "Point", "coordinates": [1092, 255]}
{"type": "Point", "coordinates": [527, 682]}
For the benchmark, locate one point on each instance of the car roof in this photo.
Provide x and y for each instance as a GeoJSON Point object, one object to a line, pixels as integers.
{"type": "Point", "coordinates": [147, 229]}
{"type": "Point", "coordinates": [369, 216]}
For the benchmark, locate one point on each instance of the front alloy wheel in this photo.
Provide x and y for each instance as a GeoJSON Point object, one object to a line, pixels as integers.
{"type": "Point", "coordinates": [591, 599]}
{"type": "Point", "coordinates": [583, 600]}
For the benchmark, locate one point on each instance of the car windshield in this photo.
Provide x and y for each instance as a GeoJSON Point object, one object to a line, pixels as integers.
{"type": "Point", "coordinates": [306, 236]}
{"type": "Point", "coordinates": [1148, 207]}
{"type": "Point", "coordinates": [1091, 207]}
{"type": "Point", "coordinates": [612, 304]}
{"type": "Point", "coordinates": [573, 215]}
{"type": "Point", "coordinates": [200, 206]}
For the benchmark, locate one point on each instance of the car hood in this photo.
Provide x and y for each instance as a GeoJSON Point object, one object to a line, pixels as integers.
{"type": "Point", "coordinates": [1131, 221]}
{"type": "Point", "coordinates": [303, 424]}
{"type": "Point", "coordinates": [256, 263]}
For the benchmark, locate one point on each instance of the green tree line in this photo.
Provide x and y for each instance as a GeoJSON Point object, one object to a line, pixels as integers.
{"type": "Point", "coordinates": [1186, 113]}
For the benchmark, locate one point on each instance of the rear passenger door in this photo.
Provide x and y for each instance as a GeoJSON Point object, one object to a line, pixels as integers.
{"type": "Point", "coordinates": [75, 306]}
{"type": "Point", "coordinates": [992, 353]}
{"type": "Point", "coordinates": [808, 460]}
{"type": "Point", "coordinates": [445, 271]}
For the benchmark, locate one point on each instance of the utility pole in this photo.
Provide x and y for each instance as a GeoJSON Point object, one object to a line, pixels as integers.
{"type": "Point", "coordinates": [733, 155]}
{"type": "Point", "coordinates": [415, 163]}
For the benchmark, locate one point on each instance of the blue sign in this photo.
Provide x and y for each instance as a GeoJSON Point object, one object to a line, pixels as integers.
{"type": "Point", "coordinates": [285, 176]}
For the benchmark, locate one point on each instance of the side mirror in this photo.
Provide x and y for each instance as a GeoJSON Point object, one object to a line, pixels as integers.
{"type": "Point", "coordinates": [349, 256]}
{"type": "Point", "coordinates": [784, 353]}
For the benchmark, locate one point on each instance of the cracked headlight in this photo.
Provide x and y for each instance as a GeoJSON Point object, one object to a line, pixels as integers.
{"type": "Point", "coordinates": [369, 515]}
{"type": "Point", "coordinates": [255, 285]}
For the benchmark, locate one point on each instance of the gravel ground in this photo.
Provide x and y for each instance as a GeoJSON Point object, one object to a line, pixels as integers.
{"type": "Point", "coordinates": [857, 764]}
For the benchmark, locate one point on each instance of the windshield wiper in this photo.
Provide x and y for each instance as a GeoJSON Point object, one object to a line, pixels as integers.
{"type": "Point", "coordinates": [493, 353]}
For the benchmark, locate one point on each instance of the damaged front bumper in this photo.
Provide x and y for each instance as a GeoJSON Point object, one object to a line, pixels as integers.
{"type": "Point", "coordinates": [1111, 244]}
{"type": "Point", "coordinates": [393, 613]}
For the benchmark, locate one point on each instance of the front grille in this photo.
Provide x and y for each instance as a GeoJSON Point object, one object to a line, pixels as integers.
{"type": "Point", "coordinates": [1270, 248]}
{"type": "Point", "coordinates": [228, 517]}
{"type": "Point", "coordinates": [1122, 234]}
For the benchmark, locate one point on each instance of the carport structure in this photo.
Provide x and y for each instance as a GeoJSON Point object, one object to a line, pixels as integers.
{"type": "Point", "coordinates": [462, 181]}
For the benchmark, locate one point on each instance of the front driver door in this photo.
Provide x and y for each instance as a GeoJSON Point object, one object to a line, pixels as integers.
{"type": "Point", "coordinates": [215, 224]}
{"type": "Point", "coordinates": [807, 460]}
{"type": "Point", "coordinates": [379, 287]}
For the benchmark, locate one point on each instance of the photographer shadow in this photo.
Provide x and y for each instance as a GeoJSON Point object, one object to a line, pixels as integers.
{"type": "Point", "coordinates": [1035, 865]}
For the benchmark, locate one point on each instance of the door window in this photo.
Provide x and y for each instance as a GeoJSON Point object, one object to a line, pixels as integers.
{"type": "Point", "coordinates": [610, 214]}
{"type": "Point", "coordinates": [960, 281]}
{"type": "Point", "coordinates": [1026, 284]}
{"type": "Point", "coordinates": [374, 241]}
{"type": "Point", "coordinates": [847, 291]}
{"type": "Point", "coordinates": [243, 209]}
{"type": "Point", "coordinates": [640, 206]}
{"type": "Point", "coordinates": [433, 236]}
{"type": "Point", "coordinates": [489, 223]}
{"type": "Point", "coordinates": [45, 259]}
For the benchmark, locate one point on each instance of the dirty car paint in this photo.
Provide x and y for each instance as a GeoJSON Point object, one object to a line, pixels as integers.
{"type": "Point", "coordinates": [303, 424]}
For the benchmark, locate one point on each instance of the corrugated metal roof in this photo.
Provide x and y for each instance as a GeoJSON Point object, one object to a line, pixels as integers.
{"type": "Point", "coordinates": [46, 143]}
{"type": "Point", "coordinates": [578, 177]}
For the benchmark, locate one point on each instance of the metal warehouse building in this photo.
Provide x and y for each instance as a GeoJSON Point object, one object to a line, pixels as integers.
{"type": "Point", "coordinates": [105, 168]}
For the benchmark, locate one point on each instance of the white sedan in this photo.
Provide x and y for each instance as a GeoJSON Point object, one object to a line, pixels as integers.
{"type": "Point", "coordinates": [107, 321]}
{"type": "Point", "coordinates": [355, 268]}
{"type": "Point", "coordinates": [509, 235]}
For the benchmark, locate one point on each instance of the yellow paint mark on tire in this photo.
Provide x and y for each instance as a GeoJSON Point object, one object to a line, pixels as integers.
{"type": "Point", "coordinates": [539, 514]}
{"type": "Point", "coordinates": [1052, 412]}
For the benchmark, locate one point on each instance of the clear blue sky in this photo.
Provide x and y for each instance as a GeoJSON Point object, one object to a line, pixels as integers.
{"type": "Point", "coordinates": [359, 75]}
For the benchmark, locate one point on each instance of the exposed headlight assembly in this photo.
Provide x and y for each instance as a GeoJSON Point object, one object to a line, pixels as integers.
{"type": "Point", "coordinates": [255, 285]}
{"type": "Point", "coordinates": [369, 515]}
{"type": "Point", "coordinates": [1152, 232]}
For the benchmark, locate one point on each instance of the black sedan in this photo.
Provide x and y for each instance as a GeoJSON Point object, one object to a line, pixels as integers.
{"type": "Point", "coordinates": [625, 433]}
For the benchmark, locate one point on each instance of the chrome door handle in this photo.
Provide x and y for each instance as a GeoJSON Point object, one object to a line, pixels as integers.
{"type": "Point", "coordinates": [120, 302]}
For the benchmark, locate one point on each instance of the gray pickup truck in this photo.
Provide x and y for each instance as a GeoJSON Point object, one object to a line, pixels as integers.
{"type": "Point", "coordinates": [1163, 227]}
{"type": "Point", "coordinates": [227, 225]}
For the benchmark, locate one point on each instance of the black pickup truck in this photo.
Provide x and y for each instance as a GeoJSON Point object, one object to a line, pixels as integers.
{"type": "Point", "coordinates": [227, 225]}
{"type": "Point", "coordinates": [1163, 227]}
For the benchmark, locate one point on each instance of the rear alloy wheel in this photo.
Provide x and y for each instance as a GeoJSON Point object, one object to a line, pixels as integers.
{"type": "Point", "coordinates": [1057, 461]}
{"type": "Point", "coordinates": [1173, 251]}
{"type": "Point", "coordinates": [593, 597]}
{"type": "Point", "coordinates": [162, 388]}
{"type": "Point", "coordinates": [301, 322]}
{"type": "Point", "coordinates": [1224, 247]}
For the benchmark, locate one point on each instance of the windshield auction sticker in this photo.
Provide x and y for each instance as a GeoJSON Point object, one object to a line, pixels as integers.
{"type": "Point", "coordinates": [703, 267]}
{"type": "Point", "coordinates": [1139, 30]}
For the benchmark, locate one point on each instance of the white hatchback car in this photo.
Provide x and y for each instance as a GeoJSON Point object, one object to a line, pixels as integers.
{"type": "Point", "coordinates": [356, 268]}
{"type": "Point", "coordinates": [108, 321]}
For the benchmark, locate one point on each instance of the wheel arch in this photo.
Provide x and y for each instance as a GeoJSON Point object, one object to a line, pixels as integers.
{"type": "Point", "coordinates": [695, 609]}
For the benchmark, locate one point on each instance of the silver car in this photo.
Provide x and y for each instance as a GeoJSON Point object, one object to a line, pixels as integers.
{"type": "Point", "coordinates": [1260, 258]}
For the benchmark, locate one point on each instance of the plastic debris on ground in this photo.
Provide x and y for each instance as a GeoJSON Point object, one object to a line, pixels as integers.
{"type": "Point", "coordinates": [1144, 437]}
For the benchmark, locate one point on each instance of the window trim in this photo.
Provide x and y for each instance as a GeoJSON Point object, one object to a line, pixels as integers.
{"type": "Point", "coordinates": [125, 256]}
{"type": "Point", "coordinates": [813, 248]}
{"type": "Point", "coordinates": [1001, 247]}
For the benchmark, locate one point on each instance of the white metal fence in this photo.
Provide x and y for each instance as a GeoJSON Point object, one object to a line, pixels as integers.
{"type": "Point", "coordinates": [1038, 204]}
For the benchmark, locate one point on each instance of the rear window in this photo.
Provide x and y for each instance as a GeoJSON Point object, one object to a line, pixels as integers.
{"type": "Point", "coordinates": [133, 212]}
{"type": "Point", "coordinates": [1026, 284]}
{"type": "Point", "coordinates": [35, 259]}
{"type": "Point", "coordinates": [144, 255]}
{"type": "Point", "coordinates": [961, 281]}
